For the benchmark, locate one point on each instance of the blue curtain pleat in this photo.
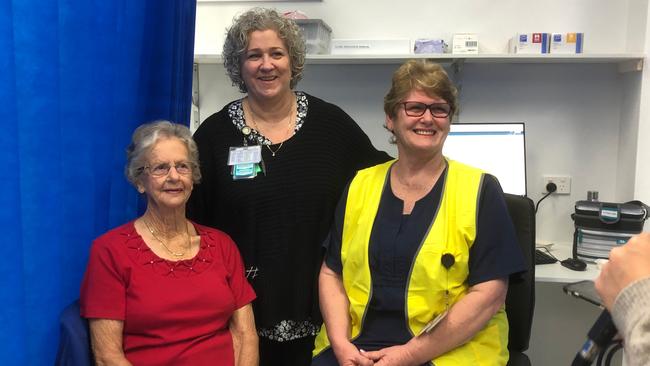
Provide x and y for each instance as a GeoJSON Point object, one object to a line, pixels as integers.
{"type": "Point", "coordinates": [11, 278]}
{"type": "Point", "coordinates": [76, 78]}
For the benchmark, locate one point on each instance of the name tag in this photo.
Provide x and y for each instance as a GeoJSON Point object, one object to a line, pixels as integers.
{"type": "Point", "coordinates": [240, 155]}
{"type": "Point", "coordinates": [432, 324]}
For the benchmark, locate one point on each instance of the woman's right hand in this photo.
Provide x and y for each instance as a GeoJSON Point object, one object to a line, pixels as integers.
{"type": "Point", "coordinates": [347, 354]}
{"type": "Point", "coordinates": [627, 264]}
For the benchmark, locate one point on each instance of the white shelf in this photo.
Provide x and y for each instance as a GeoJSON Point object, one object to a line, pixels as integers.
{"type": "Point", "coordinates": [626, 61]}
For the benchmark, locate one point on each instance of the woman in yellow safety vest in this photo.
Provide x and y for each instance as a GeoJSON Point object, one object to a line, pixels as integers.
{"type": "Point", "coordinates": [421, 248]}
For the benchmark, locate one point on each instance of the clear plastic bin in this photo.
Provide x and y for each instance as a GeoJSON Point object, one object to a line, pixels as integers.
{"type": "Point", "coordinates": [317, 35]}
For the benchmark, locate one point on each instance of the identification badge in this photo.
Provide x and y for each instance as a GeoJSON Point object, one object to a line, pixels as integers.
{"type": "Point", "coordinates": [432, 324]}
{"type": "Point", "coordinates": [245, 171]}
{"type": "Point", "coordinates": [242, 155]}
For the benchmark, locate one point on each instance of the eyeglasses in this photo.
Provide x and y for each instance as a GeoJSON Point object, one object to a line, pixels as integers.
{"type": "Point", "coordinates": [417, 109]}
{"type": "Point", "coordinates": [162, 169]}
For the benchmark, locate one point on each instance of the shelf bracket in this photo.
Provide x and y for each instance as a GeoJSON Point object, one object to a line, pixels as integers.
{"type": "Point", "coordinates": [457, 65]}
{"type": "Point", "coordinates": [195, 119]}
{"type": "Point", "coordinates": [457, 77]}
{"type": "Point", "coordinates": [630, 66]}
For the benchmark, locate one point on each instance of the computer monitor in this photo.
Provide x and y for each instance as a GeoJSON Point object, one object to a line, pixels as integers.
{"type": "Point", "coordinates": [498, 148]}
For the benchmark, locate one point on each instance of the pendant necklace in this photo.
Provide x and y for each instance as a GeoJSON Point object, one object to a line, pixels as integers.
{"type": "Point", "coordinates": [175, 254]}
{"type": "Point", "coordinates": [273, 152]}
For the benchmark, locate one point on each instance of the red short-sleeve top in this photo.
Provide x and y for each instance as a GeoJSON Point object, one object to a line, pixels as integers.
{"type": "Point", "coordinates": [174, 312]}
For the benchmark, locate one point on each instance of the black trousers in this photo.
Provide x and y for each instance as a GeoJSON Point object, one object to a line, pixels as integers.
{"type": "Point", "coordinates": [290, 353]}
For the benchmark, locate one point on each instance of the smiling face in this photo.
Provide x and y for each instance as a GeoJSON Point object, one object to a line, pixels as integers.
{"type": "Point", "coordinates": [170, 191]}
{"type": "Point", "coordinates": [424, 135]}
{"type": "Point", "coordinates": [266, 67]}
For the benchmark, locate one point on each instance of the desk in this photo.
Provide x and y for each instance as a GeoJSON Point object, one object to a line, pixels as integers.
{"type": "Point", "coordinates": [555, 272]}
{"type": "Point", "coordinates": [560, 322]}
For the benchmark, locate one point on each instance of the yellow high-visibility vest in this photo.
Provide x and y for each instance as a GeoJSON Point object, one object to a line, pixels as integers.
{"type": "Point", "coordinates": [453, 231]}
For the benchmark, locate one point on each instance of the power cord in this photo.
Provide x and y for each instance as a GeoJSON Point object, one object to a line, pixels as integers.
{"type": "Point", "coordinates": [605, 356]}
{"type": "Point", "coordinates": [550, 188]}
{"type": "Point", "coordinates": [548, 252]}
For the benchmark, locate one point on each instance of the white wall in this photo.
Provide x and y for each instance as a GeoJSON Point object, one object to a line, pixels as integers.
{"type": "Point", "coordinates": [603, 21]}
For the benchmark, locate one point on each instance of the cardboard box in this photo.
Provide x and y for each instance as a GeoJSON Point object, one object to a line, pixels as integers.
{"type": "Point", "coordinates": [567, 43]}
{"type": "Point", "coordinates": [370, 46]}
{"type": "Point", "coordinates": [530, 43]}
{"type": "Point", "coordinates": [465, 43]}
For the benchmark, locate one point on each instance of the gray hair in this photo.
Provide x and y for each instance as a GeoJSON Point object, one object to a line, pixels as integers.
{"type": "Point", "coordinates": [260, 19]}
{"type": "Point", "coordinates": [146, 136]}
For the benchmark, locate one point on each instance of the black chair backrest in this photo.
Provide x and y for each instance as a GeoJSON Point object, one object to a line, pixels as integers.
{"type": "Point", "coordinates": [520, 300]}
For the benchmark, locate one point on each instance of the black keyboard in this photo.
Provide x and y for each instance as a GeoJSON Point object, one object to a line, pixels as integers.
{"type": "Point", "coordinates": [543, 258]}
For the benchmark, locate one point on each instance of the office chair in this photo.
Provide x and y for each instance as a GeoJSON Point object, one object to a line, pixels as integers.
{"type": "Point", "coordinates": [520, 300]}
{"type": "Point", "coordinates": [74, 339]}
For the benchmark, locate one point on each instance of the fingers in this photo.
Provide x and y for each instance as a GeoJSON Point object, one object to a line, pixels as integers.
{"type": "Point", "coordinates": [626, 264]}
{"type": "Point", "coordinates": [361, 360]}
{"type": "Point", "coordinates": [373, 355]}
{"type": "Point", "coordinates": [604, 286]}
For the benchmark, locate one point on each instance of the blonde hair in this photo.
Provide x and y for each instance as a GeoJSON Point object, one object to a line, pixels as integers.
{"type": "Point", "coordinates": [429, 77]}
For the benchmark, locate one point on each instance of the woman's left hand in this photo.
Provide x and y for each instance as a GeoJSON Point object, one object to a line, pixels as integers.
{"type": "Point", "coordinates": [392, 356]}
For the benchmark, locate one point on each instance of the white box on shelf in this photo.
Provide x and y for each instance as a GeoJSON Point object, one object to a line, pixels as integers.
{"type": "Point", "coordinates": [370, 46]}
{"type": "Point", "coordinates": [567, 43]}
{"type": "Point", "coordinates": [465, 43]}
{"type": "Point", "coordinates": [530, 43]}
{"type": "Point", "coordinates": [317, 34]}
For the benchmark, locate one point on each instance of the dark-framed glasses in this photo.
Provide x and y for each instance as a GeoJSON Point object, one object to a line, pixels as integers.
{"type": "Point", "coordinates": [417, 109]}
{"type": "Point", "coordinates": [162, 169]}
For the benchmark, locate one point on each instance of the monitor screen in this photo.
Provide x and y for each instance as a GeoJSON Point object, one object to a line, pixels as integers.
{"type": "Point", "coordinates": [498, 148]}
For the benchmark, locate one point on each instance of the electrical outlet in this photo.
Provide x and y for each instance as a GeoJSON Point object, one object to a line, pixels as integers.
{"type": "Point", "coordinates": [563, 183]}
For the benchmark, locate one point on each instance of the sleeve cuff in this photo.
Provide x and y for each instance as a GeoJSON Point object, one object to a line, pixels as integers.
{"type": "Point", "coordinates": [630, 304]}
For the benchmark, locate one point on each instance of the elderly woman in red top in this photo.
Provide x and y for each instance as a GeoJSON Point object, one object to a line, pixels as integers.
{"type": "Point", "coordinates": [162, 290]}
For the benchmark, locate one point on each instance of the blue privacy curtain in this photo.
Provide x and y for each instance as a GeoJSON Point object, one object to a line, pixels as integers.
{"type": "Point", "coordinates": [76, 78]}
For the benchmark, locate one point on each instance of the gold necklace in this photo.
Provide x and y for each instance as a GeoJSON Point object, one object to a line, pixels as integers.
{"type": "Point", "coordinates": [175, 254]}
{"type": "Point", "coordinates": [273, 152]}
{"type": "Point", "coordinates": [276, 150]}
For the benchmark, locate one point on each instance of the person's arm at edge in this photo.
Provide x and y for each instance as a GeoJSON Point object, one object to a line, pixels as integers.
{"type": "Point", "coordinates": [244, 336]}
{"type": "Point", "coordinates": [465, 318]}
{"type": "Point", "coordinates": [334, 308]}
{"type": "Point", "coordinates": [632, 318]}
{"type": "Point", "coordinates": [623, 286]}
{"type": "Point", "coordinates": [106, 341]}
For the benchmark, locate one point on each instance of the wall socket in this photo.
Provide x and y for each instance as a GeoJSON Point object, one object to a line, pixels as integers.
{"type": "Point", "coordinates": [563, 183]}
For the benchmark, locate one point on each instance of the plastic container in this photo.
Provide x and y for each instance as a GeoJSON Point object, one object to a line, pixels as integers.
{"type": "Point", "coordinates": [317, 35]}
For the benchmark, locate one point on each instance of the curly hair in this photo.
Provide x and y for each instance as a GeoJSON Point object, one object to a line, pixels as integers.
{"type": "Point", "coordinates": [146, 136]}
{"type": "Point", "coordinates": [260, 19]}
